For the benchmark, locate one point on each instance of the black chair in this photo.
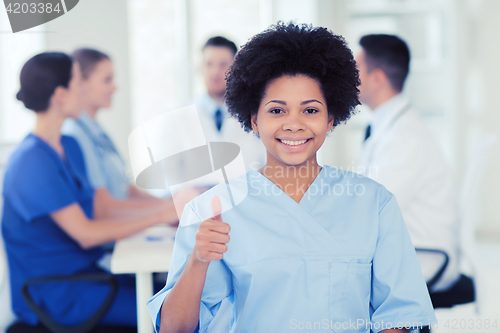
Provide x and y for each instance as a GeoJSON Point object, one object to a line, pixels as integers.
{"type": "Point", "coordinates": [462, 292]}
{"type": "Point", "coordinates": [48, 325]}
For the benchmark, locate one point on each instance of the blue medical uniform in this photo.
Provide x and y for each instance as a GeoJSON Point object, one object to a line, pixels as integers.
{"type": "Point", "coordinates": [105, 167]}
{"type": "Point", "coordinates": [339, 260]}
{"type": "Point", "coordinates": [38, 182]}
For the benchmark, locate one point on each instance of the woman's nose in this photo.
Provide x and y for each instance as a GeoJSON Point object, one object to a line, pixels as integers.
{"type": "Point", "coordinates": [293, 122]}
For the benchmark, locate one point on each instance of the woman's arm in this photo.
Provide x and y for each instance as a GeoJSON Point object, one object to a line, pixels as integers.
{"type": "Point", "coordinates": [135, 193]}
{"type": "Point", "coordinates": [89, 233]}
{"type": "Point", "coordinates": [106, 206]}
{"type": "Point", "coordinates": [181, 308]}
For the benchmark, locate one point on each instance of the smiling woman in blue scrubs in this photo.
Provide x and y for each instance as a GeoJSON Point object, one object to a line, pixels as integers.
{"type": "Point", "coordinates": [51, 222]}
{"type": "Point", "coordinates": [310, 247]}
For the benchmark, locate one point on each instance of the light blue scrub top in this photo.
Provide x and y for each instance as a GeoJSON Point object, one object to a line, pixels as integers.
{"type": "Point", "coordinates": [104, 165]}
{"type": "Point", "coordinates": [339, 260]}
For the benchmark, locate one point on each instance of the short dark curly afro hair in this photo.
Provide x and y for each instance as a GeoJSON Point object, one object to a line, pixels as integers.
{"type": "Point", "coordinates": [289, 50]}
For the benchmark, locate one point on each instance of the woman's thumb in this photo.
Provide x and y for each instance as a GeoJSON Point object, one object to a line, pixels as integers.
{"type": "Point", "coordinates": [216, 208]}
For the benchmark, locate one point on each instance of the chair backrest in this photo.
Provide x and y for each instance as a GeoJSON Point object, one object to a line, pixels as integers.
{"type": "Point", "coordinates": [6, 315]}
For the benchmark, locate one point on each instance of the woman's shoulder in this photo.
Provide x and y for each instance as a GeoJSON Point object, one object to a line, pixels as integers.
{"type": "Point", "coordinates": [30, 158]}
{"type": "Point", "coordinates": [69, 142]}
{"type": "Point", "coordinates": [30, 150]}
{"type": "Point", "coordinates": [339, 174]}
{"type": "Point", "coordinates": [229, 193]}
{"type": "Point", "coordinates": [72, 129]}
{"type": "Point", "coordinates": [359, 184]}
{"type": "Point", "coordinates": [222, 187]}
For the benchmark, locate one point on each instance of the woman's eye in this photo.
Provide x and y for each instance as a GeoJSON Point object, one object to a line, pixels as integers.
{"type": "Point", "coordinates": [276, 111]}
{"type": "Point", "coordinates": [311, 110]}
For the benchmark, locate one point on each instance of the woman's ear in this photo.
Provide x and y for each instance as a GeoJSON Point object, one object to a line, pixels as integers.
{"type": "Point", "coordinates": [330, 122]}
{"type": "Point", "coordinates": [254, 123]}
{"type": "Point", "coordinates": [58, 96]}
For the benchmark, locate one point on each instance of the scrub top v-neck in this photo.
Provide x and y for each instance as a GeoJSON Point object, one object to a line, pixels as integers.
{"type": "Point", "coordinates": [37, 183]}
{"type": "Point", "coordinates": [285, 199]}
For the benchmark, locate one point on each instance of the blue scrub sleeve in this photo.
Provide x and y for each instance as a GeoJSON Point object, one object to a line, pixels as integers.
{"type": "Point", "coordinates": [218, 283]}
{"type": "Point", "coordinates": [95, 174]}
{"type": "Point", "coordinates": [38, 187]}
{"type": "Point", "coordinates": [399, 296]}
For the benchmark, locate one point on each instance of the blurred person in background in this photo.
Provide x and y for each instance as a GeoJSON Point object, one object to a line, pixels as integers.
{"type": "Point", "coordinates": [105, 167]}
{"type": "Point", "coordinates": [53, 222]}
{"type": "Point", "coordinates": [400, 153]}
{"type": "Point", "coordinates": [218, 56]}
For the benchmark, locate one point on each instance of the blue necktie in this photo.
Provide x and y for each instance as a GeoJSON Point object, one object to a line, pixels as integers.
{"type": "Point", "coordinates": [218, 119]}
{"type": "Point", "coordinates": [368, 132]}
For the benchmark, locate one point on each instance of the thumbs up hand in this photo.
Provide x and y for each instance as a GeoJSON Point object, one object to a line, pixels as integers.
{"type": "Point", "coordinates": [212, 236]}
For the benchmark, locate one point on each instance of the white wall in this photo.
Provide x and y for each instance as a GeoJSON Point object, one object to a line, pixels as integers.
{"type": "Point", "coordinates": [484, 111]}
{"type": "Point", "coordinates": [103, 25]}
{"type": "Point", "coordinates": [152, 58]}
{"type": "Point", "coordinates": [15, 49]}
{"type": "Point", "coordinates": [166, 43]}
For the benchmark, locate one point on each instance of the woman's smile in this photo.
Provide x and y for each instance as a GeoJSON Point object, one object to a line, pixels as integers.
{"type": "Point", "coordinates": [294, 145]}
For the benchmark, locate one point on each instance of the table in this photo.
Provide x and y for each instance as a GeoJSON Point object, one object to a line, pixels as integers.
{"type": "Point", "coordinates": [142, 254]}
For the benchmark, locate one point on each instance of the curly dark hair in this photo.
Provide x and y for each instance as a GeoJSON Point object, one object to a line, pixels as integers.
{"type": "Point", "coordinates": [290, 49]}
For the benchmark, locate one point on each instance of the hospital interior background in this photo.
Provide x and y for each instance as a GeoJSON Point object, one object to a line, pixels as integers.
{"type": "Point", "coordinates": [453, 83]}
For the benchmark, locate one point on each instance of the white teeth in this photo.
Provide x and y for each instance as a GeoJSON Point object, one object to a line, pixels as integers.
{"type": "Point", "coordinates": [293, 143]}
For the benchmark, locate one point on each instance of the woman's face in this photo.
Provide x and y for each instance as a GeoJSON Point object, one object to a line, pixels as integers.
{"type": "Point", "coordinates": [292, 120]}
{"type": "Point", "coordinates": [99, 87]}
{"type": "Point", "coordinates": [71, 105]}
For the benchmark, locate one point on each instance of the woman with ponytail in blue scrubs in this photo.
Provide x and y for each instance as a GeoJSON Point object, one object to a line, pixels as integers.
{"type": "Point", "coordinates": [51, 223]}
{"type": "Point", "coordinates": [310, 247]}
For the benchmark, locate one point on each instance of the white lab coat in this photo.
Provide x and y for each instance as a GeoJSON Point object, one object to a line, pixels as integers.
{"type": "Point", "coordinates": [252, 149]}
{"type": "Point", "coordinates": [402, 155]}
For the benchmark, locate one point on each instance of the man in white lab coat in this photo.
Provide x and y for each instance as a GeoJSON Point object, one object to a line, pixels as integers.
{"type": "Point", "coordinates": [218, 56]}
{"type": "Point", "coordinates": [400, 153]}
